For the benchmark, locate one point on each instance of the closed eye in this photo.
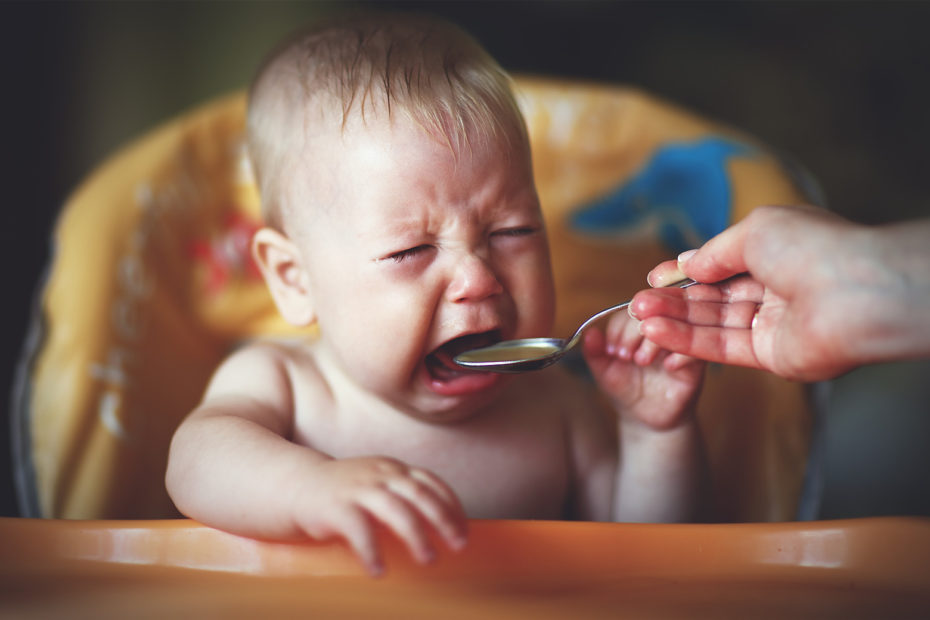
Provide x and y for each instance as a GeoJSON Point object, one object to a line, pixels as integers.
{"type": "Point", "coordinates": [409, 253]}
{"type": "Point", "coordinates": [521, 231]}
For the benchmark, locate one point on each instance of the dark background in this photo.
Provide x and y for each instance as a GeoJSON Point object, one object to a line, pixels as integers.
{"type": "Point", "coordinates": [843, 86]}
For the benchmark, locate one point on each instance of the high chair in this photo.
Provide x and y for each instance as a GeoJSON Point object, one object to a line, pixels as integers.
{"type": "Point", "coordinates": [151, 285]}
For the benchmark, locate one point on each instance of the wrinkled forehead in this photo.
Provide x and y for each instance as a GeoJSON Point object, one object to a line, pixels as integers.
{"type": "Point", "coordinates": [338, 163]}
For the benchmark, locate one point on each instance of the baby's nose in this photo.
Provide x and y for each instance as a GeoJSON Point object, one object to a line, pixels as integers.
{"type": "Point", "coordinates": [474, 280]}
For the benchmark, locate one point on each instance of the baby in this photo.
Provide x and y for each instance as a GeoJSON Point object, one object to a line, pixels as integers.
{"type": "Point", "coordinates": [395, 172]}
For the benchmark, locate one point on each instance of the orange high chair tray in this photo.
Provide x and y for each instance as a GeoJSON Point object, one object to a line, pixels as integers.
{"type": "Point", "coordinates": [510, 569]}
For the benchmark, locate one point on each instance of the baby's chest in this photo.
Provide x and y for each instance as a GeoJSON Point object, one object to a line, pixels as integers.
{"type": "Point", "coordinates": [508, 480]}
{"type": "Point", "coordinates": [506, 472]}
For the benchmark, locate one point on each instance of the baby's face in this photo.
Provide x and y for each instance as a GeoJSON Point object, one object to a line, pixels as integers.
{"type": "Point", "coordinates": [414, 254]}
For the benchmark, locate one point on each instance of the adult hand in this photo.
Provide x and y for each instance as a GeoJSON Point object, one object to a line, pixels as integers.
{"type": "Point", "coordinates": [820, 295]}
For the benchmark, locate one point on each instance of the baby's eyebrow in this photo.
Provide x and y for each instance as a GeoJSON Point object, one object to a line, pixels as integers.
{"type": "Point", "coordinates": [391, 234]}
{"type": "Point", "coordinates": [403, 226]}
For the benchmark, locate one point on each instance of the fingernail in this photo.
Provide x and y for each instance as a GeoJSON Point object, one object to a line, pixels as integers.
{"type": "Point", "coordinates": [629, 309]}
{"type": "Point", "coordinates": [684, 257]}
{"type": "Point", "coordinates": [649, 282]}
{"type": "Point", "coordinates": [658, 280]}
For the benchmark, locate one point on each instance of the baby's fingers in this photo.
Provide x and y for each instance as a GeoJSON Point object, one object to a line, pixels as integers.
{"type": "Point", "coordinates": [401, 519]}
{"type": "Point", "coordinates": [445, 517]}
{"type": "Point", "coordinates": [623, 337]}
{"type": "Point", "coordinates": [647, 352]}
{"type": "Point", "coordinates": [440, 505]}
{"type": "Point", "coordinates": [677, 361]}
{"type": "Point", "coordinates": [353, 525]}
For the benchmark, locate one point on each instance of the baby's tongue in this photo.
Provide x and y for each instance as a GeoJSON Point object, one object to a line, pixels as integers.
{"type": "Point", "coordinates": [443, 370]}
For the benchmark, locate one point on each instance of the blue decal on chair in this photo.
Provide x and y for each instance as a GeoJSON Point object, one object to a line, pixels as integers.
{"type": "Point", "coordinates": [682, 196]}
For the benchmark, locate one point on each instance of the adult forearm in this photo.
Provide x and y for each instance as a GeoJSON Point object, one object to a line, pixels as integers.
{"type": "Point", "coordinates": [892, 268]}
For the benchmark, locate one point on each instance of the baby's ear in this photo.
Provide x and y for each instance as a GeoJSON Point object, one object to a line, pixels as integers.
{"type": "Point", "coordinates": [281, 265]}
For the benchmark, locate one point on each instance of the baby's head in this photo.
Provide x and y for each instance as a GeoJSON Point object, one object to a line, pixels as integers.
{"type": "Point", "coordinates": [395, 171]}
{"type": "Point", "coordinates": [372, 68]}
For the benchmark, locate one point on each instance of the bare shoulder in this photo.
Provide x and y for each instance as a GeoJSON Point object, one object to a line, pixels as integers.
{"type": "Point", "coordinates": [263, 371]}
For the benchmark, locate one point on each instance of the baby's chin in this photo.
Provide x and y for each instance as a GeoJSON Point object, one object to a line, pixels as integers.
{"type": "Point", "coordinates": [452, 410]}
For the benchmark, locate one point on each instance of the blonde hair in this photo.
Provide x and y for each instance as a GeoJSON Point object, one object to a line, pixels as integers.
{"type": "Point", "coordinates": [424, 68]}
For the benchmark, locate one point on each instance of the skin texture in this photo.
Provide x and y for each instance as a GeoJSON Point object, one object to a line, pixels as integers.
{"type": "Point", "coordinates": [818, 295]}
{"type": "Point", "coordinates": [359, 431]}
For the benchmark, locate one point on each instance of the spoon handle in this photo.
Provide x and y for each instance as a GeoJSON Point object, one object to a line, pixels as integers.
{"type": "Point", "coordinates": [577, 335]}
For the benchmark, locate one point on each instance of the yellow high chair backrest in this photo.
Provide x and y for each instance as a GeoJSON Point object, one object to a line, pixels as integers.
{"type": "Point", "coordinates": [151, 285]}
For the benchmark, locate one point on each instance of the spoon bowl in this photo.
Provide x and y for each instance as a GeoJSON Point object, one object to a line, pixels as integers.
{"type": "Point", "coordinates": [526, 354]}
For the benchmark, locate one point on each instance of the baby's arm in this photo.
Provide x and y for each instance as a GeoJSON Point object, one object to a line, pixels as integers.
{"type": "Point", "coordinates": [231, 466]}
{"type": "Point", "coordinates": [661, 465]}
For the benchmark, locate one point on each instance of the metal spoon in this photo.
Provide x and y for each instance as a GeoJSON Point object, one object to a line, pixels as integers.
{"type": "Point", "coordinates": [526, 354]}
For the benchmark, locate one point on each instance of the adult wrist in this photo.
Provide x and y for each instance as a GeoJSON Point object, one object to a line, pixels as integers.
{"type": "Point", "coordinates": [891, 269]}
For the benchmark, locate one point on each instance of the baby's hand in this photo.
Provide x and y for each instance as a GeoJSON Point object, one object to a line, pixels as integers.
{"type": "Point", "coordinates": [648, 384]}
{"type": "Point", "coordinates": [346, 497]}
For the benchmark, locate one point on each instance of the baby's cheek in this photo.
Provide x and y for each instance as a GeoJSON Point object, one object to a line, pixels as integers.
{"type": "Point", "coordinates": [543, 299]}
{"type": "Point", "coordinates": [528, 278]}
{"type": "Point", "coordinates": [377, 350]}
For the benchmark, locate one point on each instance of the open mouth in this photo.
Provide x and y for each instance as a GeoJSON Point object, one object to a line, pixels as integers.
{"type": "Point", "coordinates": [440, 363]}
{"type": "Point", "coordinates": [447, 377]}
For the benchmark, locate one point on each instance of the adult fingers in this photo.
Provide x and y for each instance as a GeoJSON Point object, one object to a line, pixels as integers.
{"type": "Point", "coordinates": [752, 244]}
{"type": "Point", "coordinates": [664, 273]}
{"type": "Point", "coordinates": [714, 344]}
{"type": "Point", "coordinates": [721, 257]}
{"type": "Point", "coordinates": [708, 313]}
{"type": "Point", "coordinates": [651, 302]}
{"type": "Point", "coordinates": [734, 289]}
{"type": "Point", "coordinates": [702, 306]}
